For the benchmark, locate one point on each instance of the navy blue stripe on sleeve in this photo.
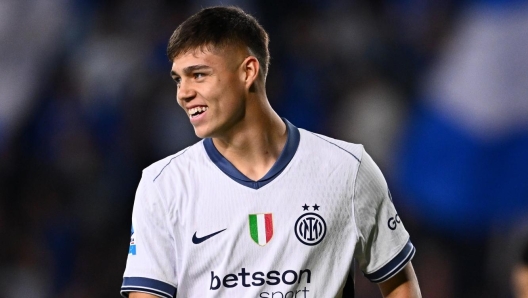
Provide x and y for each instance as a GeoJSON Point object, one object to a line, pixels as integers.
{"type": "Point", "coordinates": [147, 285]}
{"type": "Point", "coordinates": [394, 266]}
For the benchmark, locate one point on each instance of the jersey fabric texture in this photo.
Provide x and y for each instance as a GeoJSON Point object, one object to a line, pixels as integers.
{"type": "Point", "coordinates": [200, 228]}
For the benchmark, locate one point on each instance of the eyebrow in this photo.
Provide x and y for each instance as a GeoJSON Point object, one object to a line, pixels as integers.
{"type": "Point", "coordinates": [190, 69]}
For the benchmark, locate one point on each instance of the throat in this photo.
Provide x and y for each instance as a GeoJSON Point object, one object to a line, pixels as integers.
{"type": "Point", "coordinates": [253, 163]}
{"type": "Point", "coordinates": [253, 171]}
{"type": "Point", "coordinates": [254, 152]}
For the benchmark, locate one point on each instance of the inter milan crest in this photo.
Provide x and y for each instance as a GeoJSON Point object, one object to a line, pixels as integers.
{"type": "Point", "coordinates": [310, 228]}
{"type": "Point", "coordinates": [261, 228]}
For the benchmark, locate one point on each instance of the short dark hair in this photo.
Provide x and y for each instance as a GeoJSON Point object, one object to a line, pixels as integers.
{"type": "Point", "coordinates": [220, 27]}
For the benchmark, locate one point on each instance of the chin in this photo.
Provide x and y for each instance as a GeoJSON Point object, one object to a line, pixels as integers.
{"type": "Point", "coordinates": [207, 130]}
{"type": "Point", "coordinates": [202, 133]}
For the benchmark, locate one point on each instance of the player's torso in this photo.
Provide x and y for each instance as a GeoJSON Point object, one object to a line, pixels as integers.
{"type": "Point", "coordinates": [294, 237]}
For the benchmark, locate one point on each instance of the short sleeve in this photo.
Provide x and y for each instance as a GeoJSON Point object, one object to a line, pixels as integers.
{"type": "Point", "coordinates": [150, 265]}
{"type": "Point", "coordinates": [383, 247]}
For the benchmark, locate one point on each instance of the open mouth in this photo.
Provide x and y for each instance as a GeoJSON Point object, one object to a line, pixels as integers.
{"type": "Point", "coordinates": [196, 111]}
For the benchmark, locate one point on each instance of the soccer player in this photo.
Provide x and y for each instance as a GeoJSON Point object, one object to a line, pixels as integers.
{"type": "Point", "coordinates": [259, 207]}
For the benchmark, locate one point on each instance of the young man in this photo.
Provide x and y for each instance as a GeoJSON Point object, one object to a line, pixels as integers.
{"type": "Point", "coordinates": [258, 208]}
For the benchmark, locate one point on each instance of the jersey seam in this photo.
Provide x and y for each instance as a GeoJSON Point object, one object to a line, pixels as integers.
{"type": "Point", "coordinates": [337, 146]}
{"type": "Point", "coordinates": [354, 203]}
{"type": "Point", "coordinates": [178, 155]}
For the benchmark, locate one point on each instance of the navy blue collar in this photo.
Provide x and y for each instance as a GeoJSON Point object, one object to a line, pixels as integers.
{"type": "Point", "coordinates": [292, 143]}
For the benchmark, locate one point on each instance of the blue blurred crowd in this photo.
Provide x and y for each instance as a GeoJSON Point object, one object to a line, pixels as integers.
{"type": "Point", "coordinates": [437, 91]}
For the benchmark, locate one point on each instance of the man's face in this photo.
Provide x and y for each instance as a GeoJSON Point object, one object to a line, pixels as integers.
{"type": "Point", "coordinates": [210, 89]}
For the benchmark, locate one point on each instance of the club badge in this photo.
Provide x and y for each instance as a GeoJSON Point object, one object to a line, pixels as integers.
{"type": "Point", "coordinates": [310, 228]}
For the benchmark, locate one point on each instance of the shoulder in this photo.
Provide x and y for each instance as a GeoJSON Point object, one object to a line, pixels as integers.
{"type": "Point", "coordinates": [175, 162]}
{"type": "Point", "coordinates": [332, 148]}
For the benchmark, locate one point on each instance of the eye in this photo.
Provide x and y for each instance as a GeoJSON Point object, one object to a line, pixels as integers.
{"type": "Point", "coordinates": [198, 75]}
{"type": "Point", "coordinates": [177, 80]}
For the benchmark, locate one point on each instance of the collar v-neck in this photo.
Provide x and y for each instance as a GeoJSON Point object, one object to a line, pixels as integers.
{"type": "Point", "coordinates": [292, 143]}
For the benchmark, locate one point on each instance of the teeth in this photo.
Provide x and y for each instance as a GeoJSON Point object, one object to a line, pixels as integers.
{"type": "Point", "coordinates": [194, 111]}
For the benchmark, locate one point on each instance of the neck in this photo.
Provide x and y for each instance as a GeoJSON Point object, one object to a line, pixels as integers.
{"type": "Point", "coordinates": [255, 143]}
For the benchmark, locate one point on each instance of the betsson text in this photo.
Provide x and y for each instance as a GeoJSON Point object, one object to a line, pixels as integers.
{"type": "Point", "coordinates": [257, 279]}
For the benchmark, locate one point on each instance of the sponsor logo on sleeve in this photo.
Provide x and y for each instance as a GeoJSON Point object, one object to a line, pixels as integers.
{"type": "Point", "coordinates": [132, 248]}
{"type": "Point", "coordinates": [393, 222]}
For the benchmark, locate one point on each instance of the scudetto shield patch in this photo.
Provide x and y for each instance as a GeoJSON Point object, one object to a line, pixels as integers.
{"type": "Point", "coordinates": [261, 228]}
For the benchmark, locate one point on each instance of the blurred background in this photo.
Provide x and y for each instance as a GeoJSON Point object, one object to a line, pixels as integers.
{"type": "Point", "coordinates": [437, 91]}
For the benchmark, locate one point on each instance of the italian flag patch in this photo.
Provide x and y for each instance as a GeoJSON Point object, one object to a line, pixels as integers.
{"type": "Point", "coordinates": [261, 228]}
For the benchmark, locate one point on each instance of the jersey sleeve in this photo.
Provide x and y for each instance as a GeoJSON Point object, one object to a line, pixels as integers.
{"type": "Point", "coordinates": [151, 259]}
{"type": "Point", "coordinates": [383, 247]}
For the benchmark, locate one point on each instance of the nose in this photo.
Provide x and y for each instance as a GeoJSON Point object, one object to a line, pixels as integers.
{"type": "Point", "coordinates": [185, 91]}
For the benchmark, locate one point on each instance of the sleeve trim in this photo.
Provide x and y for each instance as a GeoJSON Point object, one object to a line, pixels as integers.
{"type": "Point", "coordinates": [394, 266]}
{"type": "Point", "coordinates": [147, 285]}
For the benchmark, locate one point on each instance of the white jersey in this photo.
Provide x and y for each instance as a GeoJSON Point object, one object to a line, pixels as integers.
{"type": "Point", "coordinates": [203, 229]}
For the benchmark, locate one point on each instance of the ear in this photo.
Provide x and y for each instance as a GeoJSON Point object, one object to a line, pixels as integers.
{"type": "Point", "coordinates": [251, 69]}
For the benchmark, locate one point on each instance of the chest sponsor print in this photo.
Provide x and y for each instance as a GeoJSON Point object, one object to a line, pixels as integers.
{"type": "Point", "coordinates": [261, 227]}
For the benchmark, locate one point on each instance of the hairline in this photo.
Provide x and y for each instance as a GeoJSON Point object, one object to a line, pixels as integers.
{"type": "Point", "coordinates": [217, 49]}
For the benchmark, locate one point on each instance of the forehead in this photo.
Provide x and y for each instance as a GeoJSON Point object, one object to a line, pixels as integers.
{"type": "Point", "coordinates": [195, 58]}
{"type": "Point", "coordinates": [214, 58]}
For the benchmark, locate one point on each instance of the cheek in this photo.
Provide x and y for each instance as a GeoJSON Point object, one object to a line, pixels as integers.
{"type": "Point", "coordinates": [226, 94]}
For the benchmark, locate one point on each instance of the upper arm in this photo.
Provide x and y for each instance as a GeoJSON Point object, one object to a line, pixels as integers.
{"type": "Point", "coordinates": [151, 260]}
{"type": "Point", "coordinates": [403, 284]}
{"type": "Point", "coordinates": [383, 245]}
